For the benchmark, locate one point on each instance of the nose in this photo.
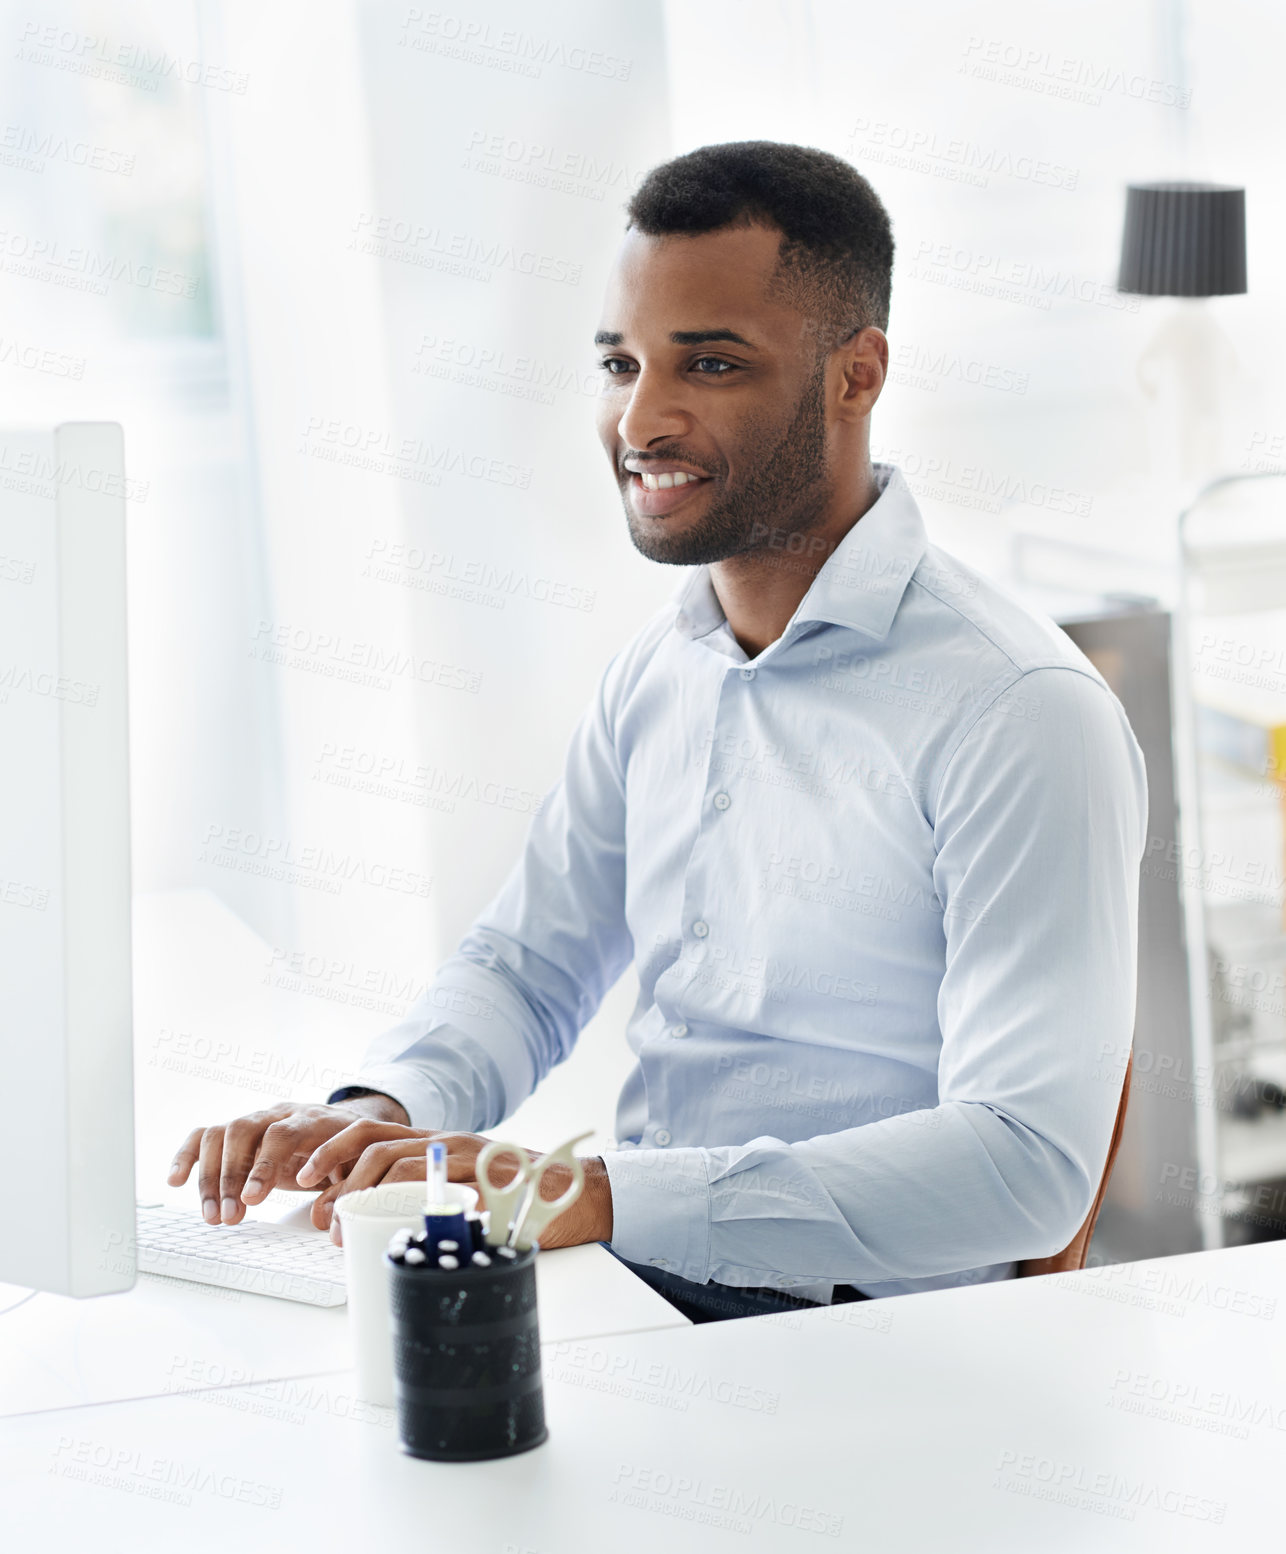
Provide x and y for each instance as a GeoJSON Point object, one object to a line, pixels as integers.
{"type": "Point", "coordinates": [655, 410]}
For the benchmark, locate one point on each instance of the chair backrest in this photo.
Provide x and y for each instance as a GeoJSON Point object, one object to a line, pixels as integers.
{"type": "Point", "coordinates": [1073, 1256]}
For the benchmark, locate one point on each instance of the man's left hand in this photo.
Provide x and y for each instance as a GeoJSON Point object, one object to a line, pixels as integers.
{"type": "Point", "coordinates": [369, 1152]}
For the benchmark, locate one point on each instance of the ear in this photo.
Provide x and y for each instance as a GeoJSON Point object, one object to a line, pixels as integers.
{"type": "Point", "coordinates": [864, 365]}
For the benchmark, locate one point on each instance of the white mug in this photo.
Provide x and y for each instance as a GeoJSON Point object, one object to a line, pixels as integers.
{"type": "Point", "coordinates": [368, 1218]}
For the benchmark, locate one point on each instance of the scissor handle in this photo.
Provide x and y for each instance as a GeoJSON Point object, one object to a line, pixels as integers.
{"type": "Point", "coordinates": [502, 1200]}
{"type": "Point", "coordinates": [537, 1212]}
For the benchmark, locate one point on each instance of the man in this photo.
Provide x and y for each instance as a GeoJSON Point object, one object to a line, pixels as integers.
{"type": "Point", "coordinates": [870, 830]}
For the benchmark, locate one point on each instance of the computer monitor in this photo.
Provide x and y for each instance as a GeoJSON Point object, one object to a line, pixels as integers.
{"type": "Point", "coordinates": [67, 1138]}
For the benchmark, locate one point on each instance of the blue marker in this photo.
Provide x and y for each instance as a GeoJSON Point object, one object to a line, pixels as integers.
{"type": "Point", "coordinates": [443, 1220]}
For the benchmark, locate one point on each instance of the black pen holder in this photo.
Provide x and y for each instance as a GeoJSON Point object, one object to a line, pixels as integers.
{"type": "Point", "coordinates": [466, 1359]}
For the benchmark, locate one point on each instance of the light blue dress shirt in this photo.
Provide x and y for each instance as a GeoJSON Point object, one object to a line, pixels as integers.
{"type": "Point", "coordinates": [880, 884]}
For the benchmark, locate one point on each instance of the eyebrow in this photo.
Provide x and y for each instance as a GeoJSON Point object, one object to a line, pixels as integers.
{"type": "Point", "coordinates": [684, 337]}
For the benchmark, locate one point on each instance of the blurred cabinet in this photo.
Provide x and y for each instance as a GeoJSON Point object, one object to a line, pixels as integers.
{"type": "Point", "coordinates": [1200, 670]}
{"type": "Point", "coordinates": [1230, 745]}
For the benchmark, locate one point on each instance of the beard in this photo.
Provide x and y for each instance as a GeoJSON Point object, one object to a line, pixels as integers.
{"type": "Point", "coordinates": [784, 494]}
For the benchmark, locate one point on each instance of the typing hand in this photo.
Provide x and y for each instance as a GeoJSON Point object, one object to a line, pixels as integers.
{"type": "Point", "coordinates": [240, 1162]}
{"type": "Point", "coordinates": [370, 1152]}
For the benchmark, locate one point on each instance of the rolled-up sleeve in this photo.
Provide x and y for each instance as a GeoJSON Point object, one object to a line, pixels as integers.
{"type": "Point", "coordinates": [1039, 824]}
{"type": "Point", "coordinates": [533, 969]}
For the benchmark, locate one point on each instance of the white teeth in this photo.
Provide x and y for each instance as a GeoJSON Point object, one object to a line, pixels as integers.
{"type": "Point", "coordinates": [665, 482]}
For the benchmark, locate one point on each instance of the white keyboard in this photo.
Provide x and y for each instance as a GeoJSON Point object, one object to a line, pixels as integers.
{"type": "Point", "coordinates": [259, 1258]}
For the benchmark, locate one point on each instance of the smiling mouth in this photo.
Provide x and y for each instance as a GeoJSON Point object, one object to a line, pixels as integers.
{"type": "Point", "coordinates": [656, 501]}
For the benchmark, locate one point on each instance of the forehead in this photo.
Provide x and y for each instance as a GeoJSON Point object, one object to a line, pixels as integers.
{"type": "Point", "coordinates": [709, 281]}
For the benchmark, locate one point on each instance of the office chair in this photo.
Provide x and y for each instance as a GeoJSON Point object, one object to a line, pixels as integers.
{"type": "Point", "coordinates": [1073, 1255]}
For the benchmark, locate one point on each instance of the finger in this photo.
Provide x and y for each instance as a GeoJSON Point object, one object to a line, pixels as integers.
{"type": "Point", "coordinates": [410, 1168]}
{"type": "Point", "coordinates": [376, 1160]}
{"type": "Point", "coordinates": [208, 1173]}
{"type": "Point", "coordinates": [283, 1144]}
{"type": "Point", "coordinates": [347, 1145]}
{"type": "Point", "coordinates": [241, 1140]}
{"type": "Point", "coordinates": [181, 1166]}
{"type": "Point", "coordinates": [323, 1209]}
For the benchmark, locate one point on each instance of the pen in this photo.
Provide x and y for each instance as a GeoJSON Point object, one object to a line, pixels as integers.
{"type": "Point", "coordinates": [443, 1220]}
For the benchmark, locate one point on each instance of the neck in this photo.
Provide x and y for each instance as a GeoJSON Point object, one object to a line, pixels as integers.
{"type": "Point", "coordinates": [760, 590]}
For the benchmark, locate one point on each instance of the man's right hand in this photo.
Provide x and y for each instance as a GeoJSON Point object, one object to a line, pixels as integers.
{"type": "Point", "coordinates": [242, 1161]}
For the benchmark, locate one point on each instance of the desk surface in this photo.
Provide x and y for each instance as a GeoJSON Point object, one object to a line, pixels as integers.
{"type": "Point", "coordinates": [214, 1039]}
{"type": "Point", "coordinates": [1128, 1408]}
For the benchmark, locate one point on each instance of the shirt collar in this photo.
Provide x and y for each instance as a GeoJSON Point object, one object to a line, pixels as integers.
{"type": "Point", "coordinates": [862, 581]}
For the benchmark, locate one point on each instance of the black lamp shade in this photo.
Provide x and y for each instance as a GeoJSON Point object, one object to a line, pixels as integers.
{"type": "Point", "coordinates": [1183, 240]}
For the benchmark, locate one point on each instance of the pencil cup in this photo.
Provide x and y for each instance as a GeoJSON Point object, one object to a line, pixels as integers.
{"type": "Point", "coordinates": [466, 1359]}
{"type": "Point", "coordinates": [367, 1219]}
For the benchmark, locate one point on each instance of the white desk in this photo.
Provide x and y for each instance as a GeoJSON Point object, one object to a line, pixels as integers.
{"type": "Point", "coordinates": [214, 1039]}
{"type": "Point", "coordinates": [1005, 1417]}
{"type": "Point", "coordinates": [1132, 1408]}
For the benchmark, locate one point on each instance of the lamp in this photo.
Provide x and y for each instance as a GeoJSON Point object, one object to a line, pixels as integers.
{"type": "Point", "coordinates": [1188, 241]}
{"type": "Point", "coordinates": [1184, 240]}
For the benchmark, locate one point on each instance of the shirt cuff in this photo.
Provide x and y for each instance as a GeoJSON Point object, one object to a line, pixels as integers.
{"type": "Point", "coordinates": [418, 1097]}
{"type": "Point", "coordinates": [661, 1209]}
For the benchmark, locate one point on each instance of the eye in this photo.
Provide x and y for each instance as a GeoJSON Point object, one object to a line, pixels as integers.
{"type": "Point", "coordinates": [609, 364]}
{"type": "Point", "coordinates": [716, 361]}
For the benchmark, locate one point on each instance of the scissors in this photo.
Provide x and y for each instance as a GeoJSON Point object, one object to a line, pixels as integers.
{"type": "Point", "coordinates": [518, 1212]}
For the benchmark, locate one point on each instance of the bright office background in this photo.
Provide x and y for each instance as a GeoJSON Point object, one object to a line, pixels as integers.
{"type": "Point", "coordinates": [336, 268]}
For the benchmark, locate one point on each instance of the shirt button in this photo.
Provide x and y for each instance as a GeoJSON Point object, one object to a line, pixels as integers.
{"type": "Point", "coordinates": [678, 1030]}
{"type": "Point", "coordinates": [748, 672]}
{"type": "Point", "coordinates": [662, 1136]}
{"type": "Point", "coordinates": [700, 929]}
{"type": "Point", "coordinates": [721, 801]}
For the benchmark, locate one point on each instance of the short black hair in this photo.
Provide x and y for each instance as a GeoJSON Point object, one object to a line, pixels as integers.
{"type": "Point", "coordinates": [835, 261]}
